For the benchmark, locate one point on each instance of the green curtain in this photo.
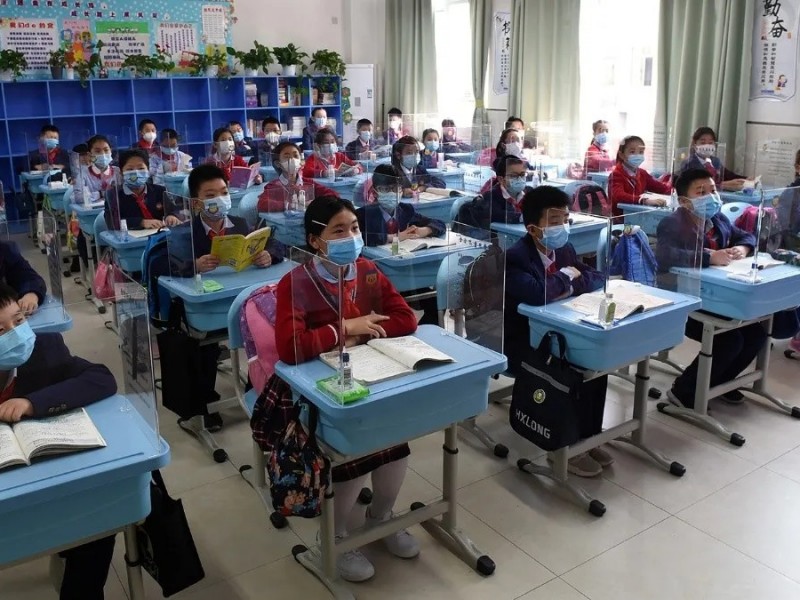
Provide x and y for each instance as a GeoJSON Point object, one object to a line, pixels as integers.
{"type": "Point", "coordinates": [480, 18]}
{"type": "Point", "coordinates": [410, 81]}
{"type": "Point", "coordinates": [704, 56]}
{"type": "Point", "coordinates": [545, 61]}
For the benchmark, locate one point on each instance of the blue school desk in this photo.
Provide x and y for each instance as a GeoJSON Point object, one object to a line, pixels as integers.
{"type": "Point", "coordinates": [436, 209]}
{"type": "Point", "coordinates": [753, 198]}
{"type": "Point", "coordinates": [50, 317]}
{"type": "Point", "coordinates": [86, 217]}
{"type": "Point", "coordinates": [129, 251]}
{"type": "Point", "coordinates": [288, 229]}
{"type": "Point", "coordinates": [32, 177]}
{"type": "Point", "coordinates": [55, 195]}
{"type": "Point", "coordinates": [396, 411]}
{"type": "Point", "coordinates": [583, 235]}
{"type": "Point", "coordinates": [238, 193]}
{"type": "Point", "coordinates": [601, 351]}
{"type": "Point", "coordinates": [730, 304]}
{"type": "Point", "coordinates": [453, 177]}
{"type": "Point", "coordinates": [344, 186]}
{"type": "Point", "coordinates": [600, 178]}
{"type": "Point", "coordinates": [370, 165]}
{"type": "Point", "coordinates": [645, 217]}
{"type": "Point", "coordinates": [67, 500]}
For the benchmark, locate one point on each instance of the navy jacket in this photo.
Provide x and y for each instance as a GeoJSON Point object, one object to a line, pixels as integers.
{"type": "Point", "coordinates": [788, 210]}
{"type": "Point", "coordinates": [418, 175]}
{"type": "Point", "coordinates": [498, 209]}
{"type": "Point", "coordinates": [19, 274]}
{"type": "Point", "coordinates": [677, 237]}
{"type": "Point", "coordinates": [355, 148]}
{"type": "Point", "coordinates": [527, 283]}
{"type": "Point", "coordinates": [245, 148]}
{"type": "Point", "coordinates": [695, 162]}
{"type": "Point", "coordinates": [36, 158]}
{"type": "Point", "coordinates": [156, 201]}
{"type": "Point", "coordinates": [309, 133]}
{"type": "Point", "coordinates": [55, 381]}
{"type": "Point", "coordinates": [372, 223]}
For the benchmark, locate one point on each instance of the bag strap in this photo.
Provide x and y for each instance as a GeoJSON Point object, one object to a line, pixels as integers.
{"type": "Point", "coordinates": [158, 480]}
{"type": "Point", "coordinates": [546, 345]}
{"type": "Point", "coordinates": [313, 418]}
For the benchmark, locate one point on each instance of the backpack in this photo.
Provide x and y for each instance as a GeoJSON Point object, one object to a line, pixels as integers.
{"type": "Point", "coordinates": [483, 297]}
{"type": "Point", "coordinates": [575, 170]}
{"type": "Point", "coordinates": [155, 263]}
{"type": "Point", "coordinates": [591, 199]}
{"type": "Point", "coordinates": [633, 259]}
{"type": "Point", "coordinates": [770, 235]}
{"type": "Point", "coordinates": [257, 324]}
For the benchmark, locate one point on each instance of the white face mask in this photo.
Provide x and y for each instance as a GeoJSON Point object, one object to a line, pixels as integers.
{"type": "Point", "coordinates": [290, 165]}
{"type": "Point", "coordinates": [225, 147]}
{"type": "Point", "coordinates": [149, 137]}
{"type": "Point", "coordinates": [705, 150]}
{"type": "Point", "coordinates": [273, 138]}
{"type": "Point", "coordinates": [514, 148]}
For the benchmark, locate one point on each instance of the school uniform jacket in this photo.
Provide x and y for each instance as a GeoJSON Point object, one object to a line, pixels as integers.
{"type": "Point", "coordinates": [498, 208]}
{"type": "Point", "coordinates": [354, 149]}
{"type": "Point", "coordinates": [55, 381]}
{"type": "Point", "coordinates": [57, 156]}
{"type": "Point", "coordinates": [419, 175]}
{"type": "Point", "coordinates": [374, 227]}
{"type": "Point", "coordinates": [127, 208]}
{"type": "Point", "coordinates": [695, 162]}
{"type": "Point", "coordinates": [227, 166]}
{"type": "Point", "coordinates": [598, 159]}
{"type": "Point", "coordinates": [428, 159]}
{"type": "Point", "coordinates": [316, 166]}
{"type": "Point", "coordinates": [19, 274]}
{"type": "Point", "coordinates": [309, 133]}
{"type": "Point", "coordinates": [624, 188]}
{"type": "Point", "coordinates": [246, 148]}
{"type": "Point", "coordinates": [275, 194]}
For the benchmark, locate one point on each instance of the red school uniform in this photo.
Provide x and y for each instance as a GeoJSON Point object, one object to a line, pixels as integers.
{"type": "Point", "coordinates": [316, 166]}
{"type": "Point", "coordinates": [624, 188]}
{"type": "Point", "coordinates": [227, 165]}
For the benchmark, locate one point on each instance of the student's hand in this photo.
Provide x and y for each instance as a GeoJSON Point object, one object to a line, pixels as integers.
{"type": "Point", "coordinates": [736, 252]}
{"type": "Point", "coordinates": [353, 340]}
{"type": "Point", "coordinates": [258, 179]}
{"type": "Point", "coordinates": [571, 272]}
{"type": "Point", "coordinates": [720, 258]}
{"type": "Point", "coordinates": [421, 188]}
{"type": "Point", "coordinates": [407, 192]}
{"type": "Point", "coordinates": [172, 221]}
{"type": "Point", "coordinates": [152, 224]}
{"type": "Point", "coordinates": [28, 303]}
{"type": "Point", "coordinates": [733, 185]}
{"type": "Point", "coordinates": [206, 263]}
{"type": "Point", "coordinates": [12, 411]}
{"type": "Point", "coordinates": [262, 259]}
{"type": "Point", "coordinates": [368, 325]}
{"type": "Point", "coordinates": [650, 201]}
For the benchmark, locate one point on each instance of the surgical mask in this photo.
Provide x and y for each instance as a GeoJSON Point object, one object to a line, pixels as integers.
{"type": "Point", "coordinates": [320, 121]}
{"type": "Point", "coordinates": [225, 147]}
{"type": "Point", "coordinates": [636, 160]}
{"type": "Point", "coordinates": [51, 143]}
{"type": "Point", "coordinates": [387, 201]}
{"type": "Point", "coordinates": [395, 123]}
{"type": "Point", "coordinates": [16, 346]}
{"type": "Point", "coordinates": [555, 236]}
{"type": "Point", "coordinates": [217, 208]}
{"type": "Point", "coordinates": [273, 138]}
{"type": "Point", "coordinates": [365, 135]}
{"type": "Point", "coordinates": [432, 146]}
{"type": "Point", "coordinates": [238, 136]}
{"type": "Point", "coordinates": [290, 165]}
{"type": "Point", "coordinates": [601, 138]}
{"type": "Point", "coordinates": [705, 150]}
{"type": "Point", "coordinates": [345, 250]}
{"type": "Point", "coordinates": [410, 160]}
{"type": "Point", "coordinates": [135, 179]}
{"type": "Point", "coordinates": [706, 206]}
{"type": "Point", "coordinates": [515, 185]}
{"type": "Point", "coordinates": [514, 149]}
{"type": "Point", "coordinates": [328, 149]}
{"type": "Point", "coordinates": [101, 161]}
{"type": "Point", "coordinates": [149, 137]}
{"type": "Point", "coordinates": [168, 151]}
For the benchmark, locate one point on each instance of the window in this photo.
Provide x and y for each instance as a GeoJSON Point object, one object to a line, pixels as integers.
{"type": "Point", "coordinates": [454, 60]}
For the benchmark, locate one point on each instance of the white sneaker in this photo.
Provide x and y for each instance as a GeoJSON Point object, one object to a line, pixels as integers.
{"type": "Point", "coordinates": [353, 566]}
{"type": "Point", "coordinates": [400, 543]}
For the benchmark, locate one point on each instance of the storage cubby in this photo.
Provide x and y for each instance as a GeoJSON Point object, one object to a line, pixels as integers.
{"type": "Point", "coordinates": [190, 94]}
{"type": "Point", "coordinates": [162, 120]}
{"type": "Point", "coordinates": [122, 127]}
{"type": "Point", "coordinates": [152, 95]}
{"type": "Point", "coordinates": [74, 130]}
{"type": "Point", "coordinates": [112, 96]}
{"type": "Point", "coordinates": [26, 100]}
{"type": "Point", "coordinates": [221, 118]}
{"type": "Point", "coordinates": [197, 126]}
{"type": "Point", "coordinates": [226, 93]}
{"type": "Point", "coordinates": [70, 98]}
{"type": "Point", "coordinates": [267, 91]}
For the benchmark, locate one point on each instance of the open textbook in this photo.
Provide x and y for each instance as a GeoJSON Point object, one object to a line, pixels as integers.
{"type": "Point", "coordinates": [243, 177]}
{"type": "Point", "coordinates": [141, 233]}
{"type": "Point", "coordinates": [431, 194]}
{"type": "Point", "coordinates": [21, 442]}
{"type": "Point", "coordinates": [412, 245]}
{"type": "Point", "coordinates": [629, 298]}
{"type": "Point", "coordinates": [742, 266]}
{"type": "Point", "coordinates": [384, 358]}
{"type": "Point", "coordinates": [238, 251]}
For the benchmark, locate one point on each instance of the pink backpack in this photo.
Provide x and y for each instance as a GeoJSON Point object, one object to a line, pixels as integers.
{"type": "Point", "coordinates": [257, 324]}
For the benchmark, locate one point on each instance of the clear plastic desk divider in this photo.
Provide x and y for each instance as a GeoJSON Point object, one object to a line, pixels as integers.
{"type": "Point", "coordinates": [183, 263]}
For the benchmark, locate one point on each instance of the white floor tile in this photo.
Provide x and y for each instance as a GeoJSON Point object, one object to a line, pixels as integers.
{"type": "Point", "coordinates": [787, 465]}
{"type": "Point", "coordinates": [555, 589]}
{"type": "Point", "coordinates": [31, 581]}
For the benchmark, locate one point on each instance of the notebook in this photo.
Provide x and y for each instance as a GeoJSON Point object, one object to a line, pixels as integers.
{"type": "Point", "coordinates": [141, 233]}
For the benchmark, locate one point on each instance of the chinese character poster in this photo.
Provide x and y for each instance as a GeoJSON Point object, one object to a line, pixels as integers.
{"type": "Point", "coordinates": [774, 70]}
{"type": "Point", "coordinates": [501, 52]}
{"type": "Point", "coordinates": [35, 38]}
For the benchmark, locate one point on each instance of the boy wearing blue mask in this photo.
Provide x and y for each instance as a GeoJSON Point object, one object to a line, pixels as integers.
{"type": "Point", "coordinates": [628, 183]}
{"type": "Point", "coordinates": [677, 234]}
{"type": "Point", "coordinates": [326, 155]}
{"type": "Point", "coordinates": [361, 147]}
{"type": "Point", "coordinates": [503, 200]}
{"type": "Point", "coordinates": [39, 377]}
{"type": "Point", "coordinates": [414, 177]}
{"type": "Point", "coordinates": [318, 120]}
{"type": "Point", "coordinates": [49, 154]}
{"type": "Point", "coordinates": [168, 158]}
{"type": "Point", "coordinates": [142, 204]}
{"type": "Point", "coordinates": [243, 145]}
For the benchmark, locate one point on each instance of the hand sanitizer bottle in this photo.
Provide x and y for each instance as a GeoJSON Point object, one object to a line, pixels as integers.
{"type": "Point", "coordinates": [198, 283]}
{"type": "Point", "coordinates": [607, 309]}
{"type": "Point", "coordinates": [331, 173]}
{"type": "Point", "coordinates": [396, 245]}
{"type": "Point", "coordinates": [302, 204]}
{"type": "Point", "coordinates": [123, 229]}
{"type": "Point", "coordinates": [347, 372]}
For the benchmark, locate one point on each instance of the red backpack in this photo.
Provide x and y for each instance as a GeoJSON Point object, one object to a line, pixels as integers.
{"type": "Point", "coordinates": [591, 199]}
{"type": "Point", "coordinates": [257, 324]}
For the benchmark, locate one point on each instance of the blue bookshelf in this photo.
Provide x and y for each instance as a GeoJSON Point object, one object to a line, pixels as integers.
{"type": "Point", "coordinates": [194, 106]}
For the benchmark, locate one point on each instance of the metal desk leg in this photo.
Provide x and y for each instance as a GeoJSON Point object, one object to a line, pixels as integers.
{"type": "Point", "coordinates": [471, 426]}
{"type": "Point", "coordinates": [195, 426]}
{"type": "Point", "coordinates": [760, 387]}
{"type": "Point", "coordinates": [132, 566]}
{"type": "Point", "coordinates": [699, 414]}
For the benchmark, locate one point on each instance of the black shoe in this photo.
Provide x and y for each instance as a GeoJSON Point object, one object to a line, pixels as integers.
{"type": "Point", "coordinates": [732, 397]}
{"type": "Point", "coordinates": [75, 267]}
{"type": "Point", "coordinates": [212, 422]}
{"type": "Point", "coordinates": [676, 400]}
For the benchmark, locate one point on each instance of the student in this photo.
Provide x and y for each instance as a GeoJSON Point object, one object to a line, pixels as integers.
{"type": "Point", "coordinates": [224, 156]}
{"type": "Point", "coordinates": [271, 129]}
{"type": "Point", "coordinates": [395, 131]}
{"type": "Point", "coordinates": [543, 267]}
{"type": "Point", "coordinates": [326, 153]}
{"type": "Point", "coordinates": [287, 160]}
{"type": "Point", "coordinates": [627, 182]}
{"type": "Point", "coordinates": [515, 123]}
{"type": "Point", "coordinates": [100, 174]}
{"type": "Point", "coordinates": [414, 178]}
{"type": "Point", "coordinates": [168, 158]}
{"type": "Point", "coordinates": [17, 273]}
{"type": "Point", "coordinates": [143, 205]}
{"type": "Point", "coordinates": [318, 120]}
{"type": "Point", "coordinates": [84, 156]}
{"type": "Point", "coordinates": [430, 153]}
{"type": "Point", "coordinates": [148, 133]}
{"type": "Point", "coordinates": [703, 148]}
{"type": "Point", "coordinates": [306, 329]}
{"type": "Point", "coordinates": [40, 378]}
{"type": "Point", "coordinates": [364, 144]}
{"type": "Point", "coordinates": [244, 145]}
{"type": "Point", "coordinates": [49, 154]}
{"type": "Point", "coordinates": [450, 141]}
{"type": "Point", "coordinates": [677, 235]}
{"type": "Point", "coordinates": [503, 199]}
{"type": "Point", "coordinates": [597, 157]}
{"type": "Point", "coordinates": [788, 211]}
{"type": "Point", "coordinates": [509, 144]}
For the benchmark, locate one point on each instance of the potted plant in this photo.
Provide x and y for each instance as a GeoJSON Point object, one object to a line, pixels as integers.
{"type": "Point", "coordinates": [85, 68]}
{"type": "Point", "coordinates": [328, 62]}
{"type": "Point", "coordinates": [327, 88]}
{"type": "Point", "coordinates": [289, 57]}
{"type": "Point", "coordinates": [162, 61]}
{"type": "Point", "coordinates": [12, 64]}
{"type": "Point", "coordinates": [138, 65]}
{"type": "Point", "coordinates": [58, 62]}
{"type": "Point", "coordinates": [210, 65]}
{"type": "Point", "coordinates": [259, 56]}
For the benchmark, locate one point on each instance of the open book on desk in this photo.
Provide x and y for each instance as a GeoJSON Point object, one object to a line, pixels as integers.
{"type": "Point", "coordinates": [413, 245]}
{"type": "Point", "coordinates": [742, 266]}
{"type": "Point", "coordinates": [21, 442]}
{"type": "Point", "coordinates": [630, 299]}
{"type": "Point", "coordinates": [385, 358]}
{"type": "Point", "coordinates": [432, 194]}
{"type": "Point", "coordinates": [141, 233]}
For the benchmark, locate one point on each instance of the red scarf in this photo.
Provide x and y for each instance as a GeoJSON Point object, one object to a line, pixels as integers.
{"type": "Point", "coordinates": [140, 202]}
{"type": "Point", "coordinates": [212, 234]}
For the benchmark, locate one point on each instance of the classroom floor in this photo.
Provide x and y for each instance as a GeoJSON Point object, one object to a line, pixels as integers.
{"type": "Point", "coordinates": [727, 530]}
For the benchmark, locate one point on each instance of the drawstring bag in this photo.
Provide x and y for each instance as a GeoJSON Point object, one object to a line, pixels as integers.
{"type": "Point", "coordinates": [105, 276]}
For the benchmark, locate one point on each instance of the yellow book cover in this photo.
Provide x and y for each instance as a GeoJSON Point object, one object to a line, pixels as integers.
{"type": "Point", "coordinates": [237, 251]}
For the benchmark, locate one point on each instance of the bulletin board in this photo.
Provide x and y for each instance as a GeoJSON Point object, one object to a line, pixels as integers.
{"type": "Point", "coordinates": [37, 27]}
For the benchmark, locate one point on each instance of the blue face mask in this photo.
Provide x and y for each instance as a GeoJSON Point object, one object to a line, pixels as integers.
{"type": "Point", "coordinates": [238, 136]}
{"type": "Point", "coordinates": [135, 179]}
{"type": "Point", "coordinates": [328, 149]}
{"type": "Point", "coordinates": [555, 236]}
{"type": "Point", "coordinates": [217, 208]}
{"type": "Point", "coordinates": [168, 151]}
{"type": "Point", "coordinates": [601, 138]}
{"type": "Point", "coordinates": [320, 121]}
{"type": "Point", "coordinates": [51, 143]}
{"type": "Point", "coordinates": [365, 135]}
{"type": "Point", "coordinates": [410, 160]}
{"type": "Point", "coordinates": [345, 250]}
{"type": "Point", "coordinates": [636, 160]}
{"type": "Point", "coordinates": [16, 346]}
{"type": "Point", "coordinates": [432, 146]}
{"type": "Point", "coordinates": [706, 206]}
{"type": "Point", "coordinates": [101, 161]}
{"type": "Point", "coordinates": [387, 201]}
{"type": "Point", "coordinates": [514, 185]}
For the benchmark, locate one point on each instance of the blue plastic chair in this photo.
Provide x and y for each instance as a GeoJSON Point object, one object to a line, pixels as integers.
{"type": "Point", "coordinates": [456, 206]}
{"type": "Point", "coordinates": [248, 209]}
{"type": "Point", "coordinates": [733, 210]}
{"type": "Point", "coordinates": [185, 188]}
{"type": "Point", "coordinates": [573, 186]}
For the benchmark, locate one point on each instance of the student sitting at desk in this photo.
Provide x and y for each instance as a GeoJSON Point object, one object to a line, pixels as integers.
{"type": "Point", "coordinates": [287, 161]}
{"type": "Point", "coordinates": [17, 273]}
{"type": "Point", "coordinates": [224, 156]}
{"type": "Point", "coordinates": [413, 177]}
{"type": "Point", "coordinates": [509, 144]}
{"type": "Point", "coordinates": [502, 201]}
{"type": "Point", "coordinates": [395, 131]}
{"type": "Point", "coordinates": [363, 146]}
{"type": "Point", "coordinates": [100, 174]}
{"type": "Point", "coordinates": [450, 141]}
{"type": "Point", "coordinates": [628, 183]}
{"type": "Point", "coordinates": [489, 155]}
{"type": "Point", "coordinates": [597, 157]}
{"type": "Point", "coordinates": [722, 242]}
{"type": "Point", "coordinates": [429, 156]}
{"type": "Point", "coordinates": [318, 121]}
{"type": "Point", "coordinates": [40, 378]}
{"type": "Point", "coordinates": [543, 267]}
{"type": "Point", "coordinates": [143, 205]}
{"type": "Point", "coordinates": [49, 154]}
{"type": "Point", "coordinates": [244, 145]}
{"type": "Point", "coordinates": [271, 130]}
{"type": "Point", "coordinates": [703, 148]}
{"type": "Point", "coordinates": [303, 332]}
{"type": "Point", "coordinates": [148, 133]}
{"type": "Point", "coordinates": [168, 158]}
{"type": "Point", "coordinates": [326, 154]}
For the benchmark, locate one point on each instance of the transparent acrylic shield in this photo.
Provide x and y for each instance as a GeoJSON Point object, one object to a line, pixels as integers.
{"type": "Point", "coordinates": [460, 143]}
{"type": "Point", "coordinates": [294, 199]}
{"type": "Point", "coordinates": [785, 205]}
{"type": "Point", "coordinates": [169, 162]}
{"type": "Point", "coordinates": [691, 157]}
{"type": "Point", "coordinates": [183, 262]}
{"type": "Point", "coordinates": [179, 206]}
{"type": "Point", "coordinates": [774, 163]}
{"type": "Point", "coordinates": [382, 221]}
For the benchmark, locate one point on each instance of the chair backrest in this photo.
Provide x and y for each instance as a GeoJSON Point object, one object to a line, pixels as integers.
{"type": "Point", "coordinates": [248, 208]}
{"type": "Point", "coordinates": [185, 188]}
{"type": "Point", "coordinates": [457, 203]}
{"type": "Point", "coordinates": [450, 278]}
{"type": "Point", "coordinates": [733, 210]}
{"type": "Point", "coordinates": [573, 186]}
{"type": "Point", "coordinates": [603, 249]}
{"type": "Point", "coordinates": [361, 192]}
{"type": "Point", "coordinates": [68, 198]}
{"type": "Point", "coordinates": [99, 226]}
{"type": "Point", "coordinates": [234, 331]}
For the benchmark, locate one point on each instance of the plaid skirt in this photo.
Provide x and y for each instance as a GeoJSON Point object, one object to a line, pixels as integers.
{"type": "Point", "coordinates": [271, 416]}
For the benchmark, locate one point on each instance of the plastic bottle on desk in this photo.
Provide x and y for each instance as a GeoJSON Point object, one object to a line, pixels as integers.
{"type": "Point", "coordinates": [330, 173]}
{"type": "Point", "coordinates": [123, 229]}
{"type": "Point", "coordinates": [301, 204]}
{"type": "Point", "coordinates": [607, 309]}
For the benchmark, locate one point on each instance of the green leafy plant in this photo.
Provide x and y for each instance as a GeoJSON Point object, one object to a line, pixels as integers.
{"type": "Point", "coordinates": [201, 62]}
{"type": "Point", "coordinates": [286, 56]}
{"type": "Point", "coordinates": [141, 64]}
{"type": "Point", "coordinates": [258, 56]}
{"type": "Point", "coordinates": [11, 60]}
{"type": "Point", "coordinates": [58, 58]}
{"type": "Point", "coordinates": [85, 68]}
{"type": "Point", "coordinates": [162, 59]}
{"type": "Point", "coordinates": [328, 62]}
